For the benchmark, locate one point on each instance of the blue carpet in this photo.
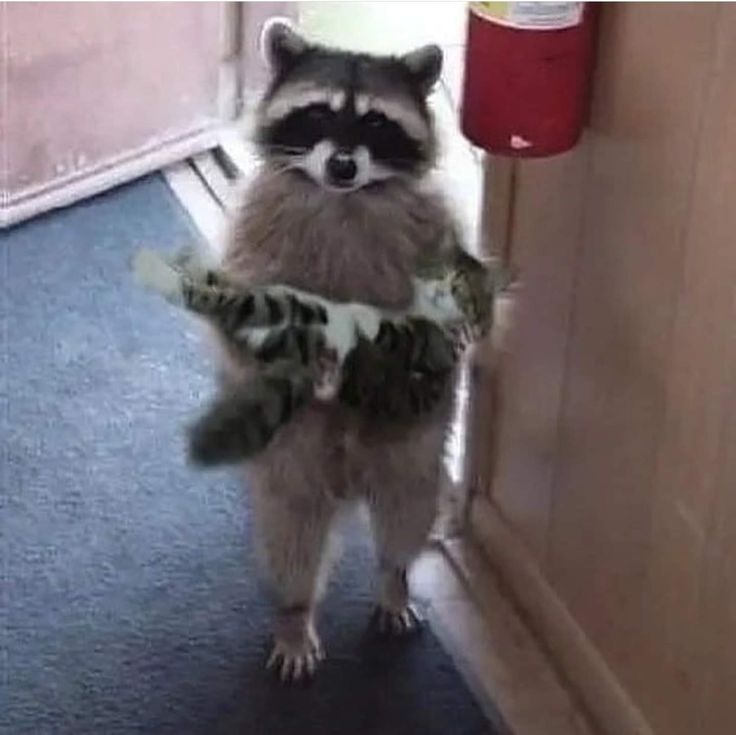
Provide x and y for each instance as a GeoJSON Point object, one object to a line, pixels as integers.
{"type": "Point", "coordinates": [130, 601]}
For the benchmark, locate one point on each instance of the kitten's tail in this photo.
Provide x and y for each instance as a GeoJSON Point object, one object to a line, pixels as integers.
{"type": "Point", "coordinates": [242, 422]}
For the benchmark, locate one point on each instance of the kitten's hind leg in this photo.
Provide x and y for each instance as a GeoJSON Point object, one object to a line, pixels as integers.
{"type": "Point", "coordinates": [245, 417]}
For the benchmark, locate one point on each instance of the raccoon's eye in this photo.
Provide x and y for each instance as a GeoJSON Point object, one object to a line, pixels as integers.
{"type": "Point", "coordinates": [374, 119]}
{"type": "Point", "coordinates": [317, 113]}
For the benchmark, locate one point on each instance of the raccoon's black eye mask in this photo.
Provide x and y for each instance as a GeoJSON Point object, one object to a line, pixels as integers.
{"type": "Point", "coordinates": [385, 139]}
{"type": "Point", "coordinates": [373, 119]}
{"type": "Point", "coordinates": [319, 113]}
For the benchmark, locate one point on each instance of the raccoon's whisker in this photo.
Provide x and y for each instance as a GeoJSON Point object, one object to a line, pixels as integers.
{"type": "Point", "coordinates": [281, 169]}
{"type": "Point", "coordinates": [275, 148]}
{"type": "Point", "coordinates": [400, 161]}
{"type": "Point", "coordinates": [285, 168]}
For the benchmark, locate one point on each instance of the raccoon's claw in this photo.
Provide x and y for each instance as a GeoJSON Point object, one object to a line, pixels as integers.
{"type": "Point", "coordinates": [463, 337]}
{"type": "Point", "coordinates": [295, 663]}
{"type": "Point", "coordinates": [397, 623]}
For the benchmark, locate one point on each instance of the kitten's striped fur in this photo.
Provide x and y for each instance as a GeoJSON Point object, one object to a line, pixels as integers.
{"type": "Point", "coordinates": [290, 332]}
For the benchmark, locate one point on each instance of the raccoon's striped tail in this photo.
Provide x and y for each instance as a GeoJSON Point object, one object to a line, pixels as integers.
{"type": "Point", "coordinates": [242, 422]}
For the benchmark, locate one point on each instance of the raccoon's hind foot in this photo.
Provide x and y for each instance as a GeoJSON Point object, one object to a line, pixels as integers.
{"type": "Point", "coordinates": [395, 614]}
{"type": "Point", "coordinates": [403, 622]}
{"type": "Point", "coordinates": [297, 650]}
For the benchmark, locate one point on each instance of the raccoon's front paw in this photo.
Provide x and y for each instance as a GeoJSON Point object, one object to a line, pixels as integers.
{"type": "Point", "coordinates": [463, 337]}
{"type": "Point", "coordinates": [296, 654]}
{"type": "Point", "coordinates": [406, 621]}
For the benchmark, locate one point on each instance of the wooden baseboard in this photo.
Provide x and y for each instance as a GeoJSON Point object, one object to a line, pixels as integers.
{"type": "Point", "coordinates": [581, 663]}
{"type": "Point", "coordinates": [196, 197]}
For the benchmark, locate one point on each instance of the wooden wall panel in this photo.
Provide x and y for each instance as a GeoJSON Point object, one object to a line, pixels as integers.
{"type": "Point", "coordinates": [549, 198]}
{"type": "Point", "coordinates": [714, 674]}
{"type": "Point", "coordinates": [615, 462]}
{"type": "Point", "coordinates": [693, 476]}
{"type": "Point", "coordinates": [645, 127]}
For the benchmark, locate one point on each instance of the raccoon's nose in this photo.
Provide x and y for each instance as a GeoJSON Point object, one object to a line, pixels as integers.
{"type": "Point", "coordinates": [341, 168]}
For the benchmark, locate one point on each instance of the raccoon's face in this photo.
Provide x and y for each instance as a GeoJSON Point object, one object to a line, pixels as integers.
{"type": "Point", "coordinates": [346, 120]}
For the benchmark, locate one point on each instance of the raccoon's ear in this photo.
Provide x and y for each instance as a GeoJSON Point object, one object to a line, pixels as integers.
{"type": "Point", "coordinates": [425, 66]}
{"type": "Point", "coordinates": [281, 45]}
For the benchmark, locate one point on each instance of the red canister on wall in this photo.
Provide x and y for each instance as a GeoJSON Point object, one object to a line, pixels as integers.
{"type": "Point", "coordinates": [527, 72]}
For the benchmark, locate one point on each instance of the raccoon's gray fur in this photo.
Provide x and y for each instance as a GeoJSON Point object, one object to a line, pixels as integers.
{"type": "Point", "coordinates": [349, 233]}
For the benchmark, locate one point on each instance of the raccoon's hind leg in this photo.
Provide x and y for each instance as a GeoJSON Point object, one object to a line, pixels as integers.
{"type": "Point", "coordinates": [401, 522]}
{"type": "Point", "coordinates": [292, 535]}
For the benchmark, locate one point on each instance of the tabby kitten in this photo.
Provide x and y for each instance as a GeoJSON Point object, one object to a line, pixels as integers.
{"type": "Point", "coordinates": [311, 347]}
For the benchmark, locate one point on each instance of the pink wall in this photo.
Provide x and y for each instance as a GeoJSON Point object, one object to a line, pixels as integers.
{"type": "Point", "coordinates": [86, 85]}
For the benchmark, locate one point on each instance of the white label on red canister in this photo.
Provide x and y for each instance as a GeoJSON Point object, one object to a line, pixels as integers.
{"type": "Point", "coordinates": [539, 16]}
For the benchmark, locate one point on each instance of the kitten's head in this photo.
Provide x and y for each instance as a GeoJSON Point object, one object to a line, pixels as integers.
{"type": "Point", "coordinates": [346, 120]}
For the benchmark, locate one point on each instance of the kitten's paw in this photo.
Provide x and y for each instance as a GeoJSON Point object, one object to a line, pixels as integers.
{"type": "Point", "coordinates": [397, 623]}
{"type": "Point", "coordinates": [186, 257]}
{"type": "Point", "coordinates": [327, 383]}
{"type": "Point", "coordinates": [153, 272]}
{"type": "Point", "coordinates": [296, 660]}
{"type": "Point", "coordinates": [191, 261]}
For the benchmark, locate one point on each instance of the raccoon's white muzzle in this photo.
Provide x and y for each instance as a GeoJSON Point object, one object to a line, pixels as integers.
{"type": "Point", "coordinates": [338, 170]}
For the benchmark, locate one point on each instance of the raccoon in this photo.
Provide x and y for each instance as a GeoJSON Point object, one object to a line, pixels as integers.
{"type": "Point", "coordinates": [341, 207]}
